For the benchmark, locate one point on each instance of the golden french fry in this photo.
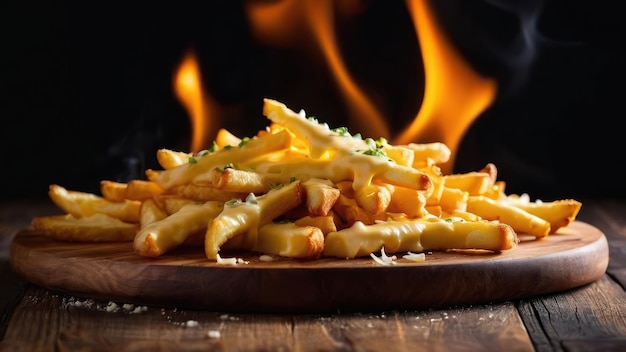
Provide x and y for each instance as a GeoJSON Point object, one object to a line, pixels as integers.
{"type": "Point", "coordinates": [321, 195]}
{"type": "Point", "coordinates": [113, 191]}
{"type": "Point", "coordinates": [93, 228]}
{"type": "Point", "coordinates": [345, 188]}
{"type": "Point", "coordinates": [82, 204]}
{"type": "Point", "coordinates": [204, 193]}
{"type": "Point", "coordinates": [497, 191]}
{"type": "Point", "coordinates": [419, 235]}
{"type": "Point", "coordinates": [248, 216]}
{"type": "Point", "coordinates": [141, 190]}
{"type": "Point", "coordinates": [426, 154]}
{"type": "Point", "coordinates": [402, 155]}
{"type": "Point", "coordinates": [373, 198]}
{"type": "Point", "coordinates": [453, 199]}
{"type": "Point", "coordinates": [166, 234]}
{"type": "Point", "coordinates": [475, 183]}
{"type": "Point", "coordinates": [242, 181]}
{"type": "Point", "coordinates": [290, 240]}
{"type": "Point", "coordinates": [172, 204]}
{"type": "Point", "coordinates": [350, 212]}
{"type": "Point", "coordinates": [434, 210]}
{"type": "Point", "coordinates": [152, 175]}
{"type": "Point", "coordinates": [225, 138]}
{"type": "Point", "coordinates": [522, 221]}
{"type": "Point", "coordinates": [321, 140]}
{"type": "Point", "coordinates": [185, 174]}
{"type": "Point", "coordinates": [435, 196]}
{"type": "Point", "coordinates": [325, 223]}
{"type": "Point", "coordinates": [558, 213]}
{"type": "Point", "coordinates": [150, 212]}
{"type": "Point", "coordinates": [408, 201]}
{"type": "Point", "coordinates": [169, 159]}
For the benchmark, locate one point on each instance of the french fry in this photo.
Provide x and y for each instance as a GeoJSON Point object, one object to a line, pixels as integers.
{"type": "Point", "coordinates": [402, 155]}
{"type": "Point", "coordinates": [427, 154]}
{"type": "Point", "coordinates": [150, 212]}
{"type": "Point", "coordinates": [408, 201]}
{"type": "Point", "coordinates": [204, 193]}
{"type": "Point", "coordinates": [522, 221]}
{"type": "Point", "coordinates": [171, 203]}
{"type": "Point", "coordinates": [93, 228]}
{"type": "Point", "coordinates": [321, 195]}
{"type": "Point", "coordinates": [185, 174]}
{"type": "Point", "coordinates": [169, 159]}
{"type": "Point", "coordinates": [558, 213]}
{"type": "Point", "coordinates": [350, 212]}
{"type": "Point", "coordinates": [113, 191]}
{"type": "Point", "coordinates": [321, 140]}
{"type": "Point", "coordinates": [373, 198]}
{"type": "Point", "coordinates": [248, 216]}
{"type": "Point", "coordinates": [163, 235]}
{"type": "Point", "coordinates": [453, 199]}
{"type": "Point", "coordinates": [417, 236]}
{"type": "Point", "coordinates": [325, 223]}
{"type": "Point", "coordinates": [82, 204]}
{"type": "Point", "coordinates": [475, 183]}
{"type": "Point", "coordinates": [290, 240]}
{"type": "Point", "coordinates": [142, 190]}
{"type": "Point", "coordinates": [242, 181]}
{"type": "Point", "coordinates": [225, 138]}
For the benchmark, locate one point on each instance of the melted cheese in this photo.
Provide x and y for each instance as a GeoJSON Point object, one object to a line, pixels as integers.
{"type": "Point", "coordinates": [236, 224]}
{"type": "Point", "coordinates": [419, 235]}
{"type": "Point", "coordinates": [361, 240]}
{"type": "Point", "coordinates": [160, 236]}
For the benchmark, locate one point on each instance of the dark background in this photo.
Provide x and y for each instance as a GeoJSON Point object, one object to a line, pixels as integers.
{"type": "Point", "coordinates": [86, 88]}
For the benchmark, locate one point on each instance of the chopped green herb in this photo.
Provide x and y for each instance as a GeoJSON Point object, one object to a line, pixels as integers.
{"type": "Point", "coordinates": [232, 202]}
{"type": "Point", "coordinates": [192, 160]}
{"type": "Point", "coordinates": [244, 141]}
{"type": "Point", "coordinates": [341, 131]}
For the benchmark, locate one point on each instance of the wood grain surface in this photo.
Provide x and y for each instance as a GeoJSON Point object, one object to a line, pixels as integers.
{"type": "Point", "coordinates": [575, 256]}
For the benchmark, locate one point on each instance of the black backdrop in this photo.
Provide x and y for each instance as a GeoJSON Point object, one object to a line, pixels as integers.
{"type": "Point", "coordinates": [86, 92]}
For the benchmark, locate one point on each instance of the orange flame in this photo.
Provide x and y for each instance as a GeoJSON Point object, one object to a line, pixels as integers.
{"type": "Point", "coordinates": [202, 111]}
{"type": "Point", "coordinates": [362, 112]}
{"type": "Point", "coordinates": [454, 93]}
{"type": "Point", "coordinates": [280, 22]}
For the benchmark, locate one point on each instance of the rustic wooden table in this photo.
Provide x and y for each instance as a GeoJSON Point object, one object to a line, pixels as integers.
{"type": "Point", "coordinates": [588, 318]}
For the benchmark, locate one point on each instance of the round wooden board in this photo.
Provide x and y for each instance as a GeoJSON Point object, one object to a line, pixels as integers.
{"type": "Point", "coordinates": [575, 256]}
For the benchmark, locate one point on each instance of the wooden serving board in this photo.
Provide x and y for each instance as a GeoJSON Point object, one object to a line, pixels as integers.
{"type": "Point", "coordinates": [575, 256]}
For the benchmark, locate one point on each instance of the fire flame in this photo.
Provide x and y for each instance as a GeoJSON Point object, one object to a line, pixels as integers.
{"type": "Point", "coordinates": [454, 93]}
{"type": "Point", "coordinates": [203, 112]}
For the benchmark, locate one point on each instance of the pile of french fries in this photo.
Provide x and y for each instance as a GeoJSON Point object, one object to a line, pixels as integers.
{"type": "Point", "coordinates": [301, 189]}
